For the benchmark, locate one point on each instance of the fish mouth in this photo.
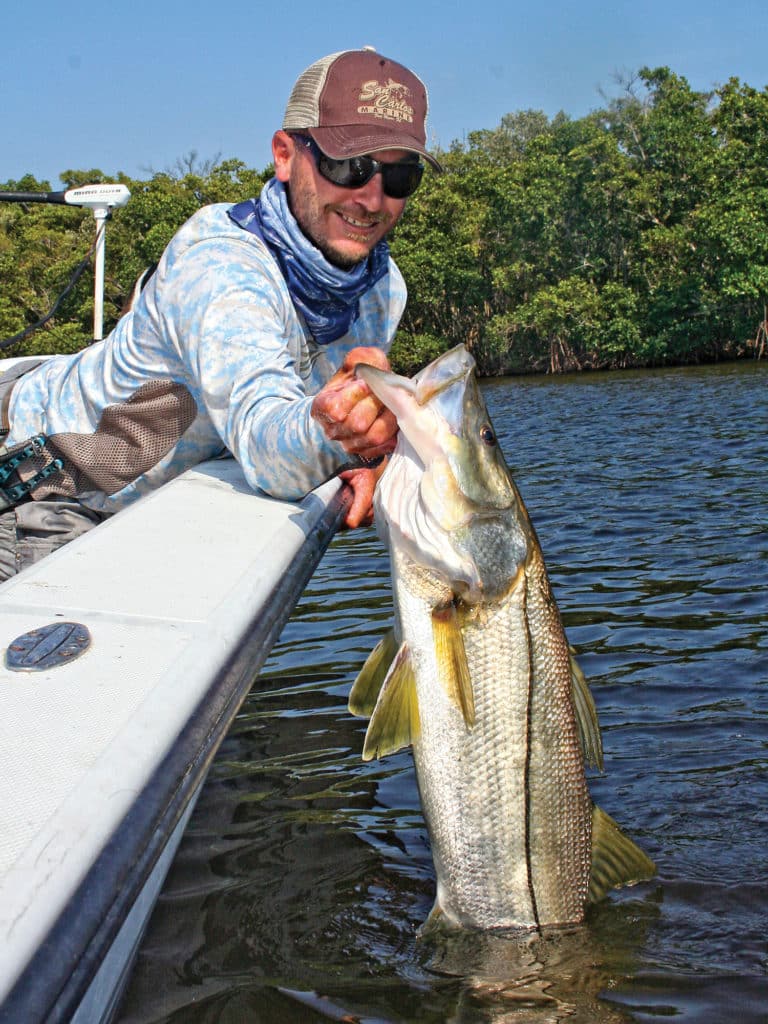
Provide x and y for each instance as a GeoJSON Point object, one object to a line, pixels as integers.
{"type": "Point", "coordinates": [429, 408]}
{"type": "Point", "coordinates": [394, 391]}
{"type": "Point", "coordinates": [418, 424]}
{"type": "Point", "coordinates": [453, 367]}
{"type": "Point", "coordinates": [398, 392]}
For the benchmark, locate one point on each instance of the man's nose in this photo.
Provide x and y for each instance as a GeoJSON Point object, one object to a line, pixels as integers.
{"type": "Point", "coordinates": [371, 194]}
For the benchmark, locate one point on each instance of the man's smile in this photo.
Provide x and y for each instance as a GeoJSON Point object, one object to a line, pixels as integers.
{"type": "Point", "coordinates": [365, 225]}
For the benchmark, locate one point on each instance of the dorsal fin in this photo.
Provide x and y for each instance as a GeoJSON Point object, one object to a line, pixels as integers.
{"type": "Point", "coordinates": [590, 741]}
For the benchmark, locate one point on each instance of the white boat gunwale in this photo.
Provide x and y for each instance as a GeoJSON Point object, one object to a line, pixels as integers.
{"type": "Point", "coordinates": [56, 979]}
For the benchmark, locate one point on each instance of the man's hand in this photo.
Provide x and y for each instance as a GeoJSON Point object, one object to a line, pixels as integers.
{"type": "Point", "coordinates": [363, 484]}
{"type": "Point", "coordinates": [351, 414]}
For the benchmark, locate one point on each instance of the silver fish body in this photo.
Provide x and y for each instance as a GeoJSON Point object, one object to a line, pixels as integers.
{"type": "Point", "coordinates": [478, 675]}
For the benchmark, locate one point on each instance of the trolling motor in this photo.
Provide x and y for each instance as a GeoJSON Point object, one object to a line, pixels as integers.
{"type": "Point", "coordinates": [93, 196]}
{"type": "Point", "coordinates": [102, 199]}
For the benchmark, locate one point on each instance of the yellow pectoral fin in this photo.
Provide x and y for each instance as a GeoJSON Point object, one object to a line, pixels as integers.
{"type": "Point", "coordinates": [586, 715]}
{"type": "Point", "coordinates": [452, 661]}
{"type": "Point", "coordinates": [615, 858]}
{"type": "Point", "coordinates": [366, 688]}
{"type": "Point", "coordinates": [394, 723]}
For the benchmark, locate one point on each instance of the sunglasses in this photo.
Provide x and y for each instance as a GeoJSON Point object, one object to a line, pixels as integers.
{"type": "Point", "coordinates": [398, 180]}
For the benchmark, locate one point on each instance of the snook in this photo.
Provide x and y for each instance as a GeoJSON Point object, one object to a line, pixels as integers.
{"type": "Point", "coordinates": [478, 676]}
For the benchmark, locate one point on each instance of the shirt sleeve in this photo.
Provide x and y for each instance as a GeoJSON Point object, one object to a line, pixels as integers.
{"type": "Point", "coordinates": [229, 316]}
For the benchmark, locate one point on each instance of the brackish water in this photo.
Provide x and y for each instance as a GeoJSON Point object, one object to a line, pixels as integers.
{"type": "Point", "coordinates": [301, 883]}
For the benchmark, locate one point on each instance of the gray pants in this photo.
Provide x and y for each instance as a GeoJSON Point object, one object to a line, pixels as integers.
{"type": "Point", "coordinates": [36, 528]}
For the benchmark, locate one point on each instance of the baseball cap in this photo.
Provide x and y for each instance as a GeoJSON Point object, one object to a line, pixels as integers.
{"type": "Point", "coordinates": [357, 102]}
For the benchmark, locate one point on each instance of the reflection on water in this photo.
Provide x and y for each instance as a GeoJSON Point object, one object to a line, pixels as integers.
{"type": "Point", "coordinates": [558, 975]}
{"type": "Point", "coordinates": [300, 887]}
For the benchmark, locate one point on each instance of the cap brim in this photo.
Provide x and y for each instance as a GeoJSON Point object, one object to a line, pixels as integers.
{"type": "Point", "coordinates": [343, 141]}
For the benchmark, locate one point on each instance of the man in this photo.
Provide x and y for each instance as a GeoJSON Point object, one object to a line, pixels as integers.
{"type": "Point", "coordinates": [246, 336]}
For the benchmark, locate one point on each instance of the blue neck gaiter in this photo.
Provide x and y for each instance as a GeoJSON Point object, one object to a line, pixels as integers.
{"type": "Point", "coordinates": [327, 296]}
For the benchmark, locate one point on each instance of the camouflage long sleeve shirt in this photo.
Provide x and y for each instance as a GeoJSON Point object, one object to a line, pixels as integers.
{"type": "Point", "coordinates": [213, 357]}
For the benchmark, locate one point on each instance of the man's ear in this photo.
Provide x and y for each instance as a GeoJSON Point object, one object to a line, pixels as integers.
{"type": "Point", "coordinates": [283, 152]}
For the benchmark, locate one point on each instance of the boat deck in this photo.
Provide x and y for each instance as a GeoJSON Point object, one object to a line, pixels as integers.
{"type": "Point", "coordinates": [102, 757]}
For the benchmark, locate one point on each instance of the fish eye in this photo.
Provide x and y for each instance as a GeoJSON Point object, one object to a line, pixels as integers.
{"type": "Point", "coordinates": [487, 436]}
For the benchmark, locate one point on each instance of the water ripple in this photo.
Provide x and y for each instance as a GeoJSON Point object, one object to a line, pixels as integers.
{"type": "Point", "coordinates": [305, 874]}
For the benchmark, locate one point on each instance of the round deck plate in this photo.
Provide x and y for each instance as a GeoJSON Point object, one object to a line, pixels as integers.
{"type": "Point", "coordinates": [47, 646]}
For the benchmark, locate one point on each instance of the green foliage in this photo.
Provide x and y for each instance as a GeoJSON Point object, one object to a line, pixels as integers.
{"type": "Point", "coordinates": [410, 352]}
{"type": "Point", "coordinates": [40, 247]}
{"type": "Point", "coordinates": [637, 235]}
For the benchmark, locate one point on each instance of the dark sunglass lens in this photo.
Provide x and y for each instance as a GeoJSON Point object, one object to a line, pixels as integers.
{"type": "Point", "coordinates": [401, 180]}
{"type": "Point", "coordinates": [361, 170]}
{"type": "Point", "coordinates": [352, 173]}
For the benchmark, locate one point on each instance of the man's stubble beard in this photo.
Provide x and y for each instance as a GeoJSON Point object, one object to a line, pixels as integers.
{"type": "Point", "coordinates": [310, 214]}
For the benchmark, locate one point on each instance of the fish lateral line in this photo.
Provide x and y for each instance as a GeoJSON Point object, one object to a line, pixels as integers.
{"type": "Point", "coordinates": [528, 761]}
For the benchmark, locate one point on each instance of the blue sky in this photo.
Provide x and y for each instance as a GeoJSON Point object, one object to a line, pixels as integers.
{"type": "Point", "coordinates": [133, 86]}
